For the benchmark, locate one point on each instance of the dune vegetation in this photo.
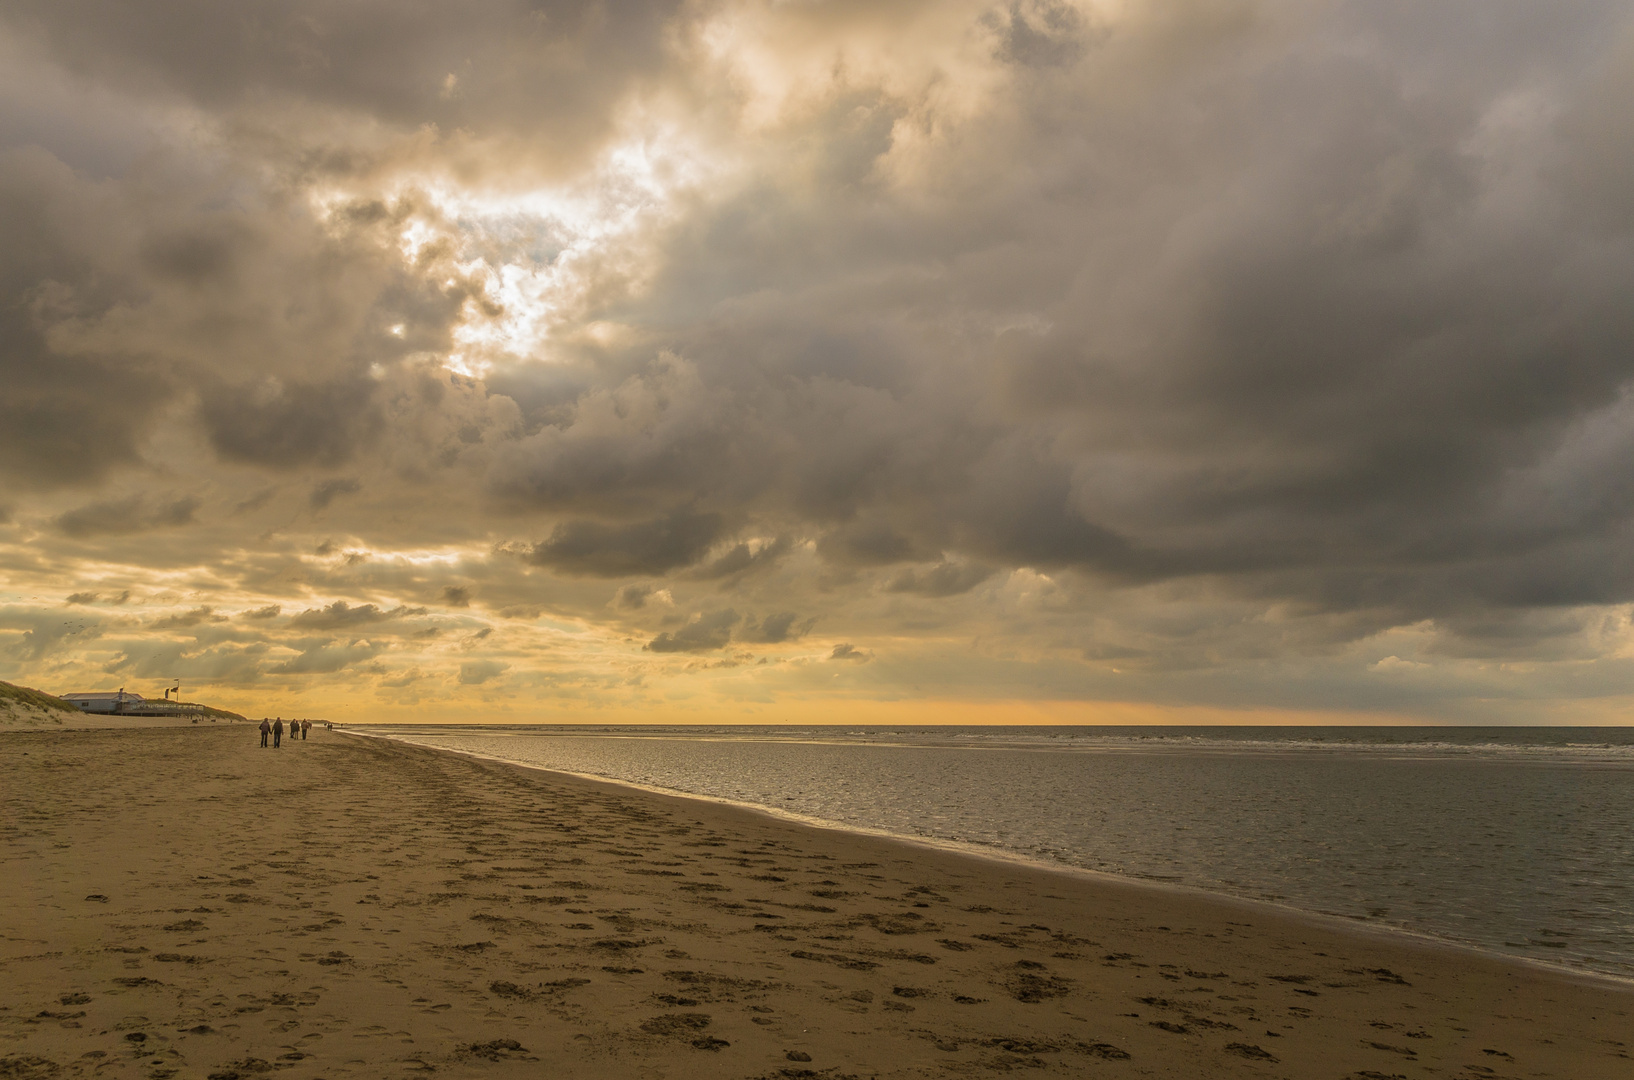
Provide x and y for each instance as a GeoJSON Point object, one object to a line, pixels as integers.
{"type": "Point", "coordinates": [13, 698]}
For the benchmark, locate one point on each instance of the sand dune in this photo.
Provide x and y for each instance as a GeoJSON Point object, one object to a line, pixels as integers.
{"type": "Point", "coordinates": [186, 904]}
{"type": "Point", "coordinates": [26, 707]}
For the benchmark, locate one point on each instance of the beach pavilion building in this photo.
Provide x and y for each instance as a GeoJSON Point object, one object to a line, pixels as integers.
{"type": "Point", "coordinates": [104, 701]}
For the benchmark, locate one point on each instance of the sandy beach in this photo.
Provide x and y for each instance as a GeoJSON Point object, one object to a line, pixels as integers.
{"type": "Point", "coordinates": [184, 903]}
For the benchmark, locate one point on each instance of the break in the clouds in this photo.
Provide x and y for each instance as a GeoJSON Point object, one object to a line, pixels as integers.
{"type": "Point", "coordinates": [751, 360]}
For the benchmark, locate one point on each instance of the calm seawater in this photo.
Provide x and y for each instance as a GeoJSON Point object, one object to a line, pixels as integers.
{"type": "Point", "coordinates": [1517, 840]}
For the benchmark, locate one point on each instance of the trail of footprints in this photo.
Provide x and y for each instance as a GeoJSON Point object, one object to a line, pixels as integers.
{"type": "Point", "coordinates": [509, 918]}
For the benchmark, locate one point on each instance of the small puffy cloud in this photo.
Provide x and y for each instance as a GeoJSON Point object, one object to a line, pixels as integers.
{"type": "Point", "coordinates": [477, 672]}
{"type": "Point", "coordinates": [847, 651]}
{"type": "Point", "coordinates": [702, 634]}
{"type": "Point", "coordinates": [81, 598]}
{"type": "Point", "coordinates": [271, 611]}
{"type": "Point", "coordinates": [456, 596]}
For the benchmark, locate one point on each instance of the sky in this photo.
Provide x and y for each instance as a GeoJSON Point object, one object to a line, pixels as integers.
{"type": "Point", "coordinates": [821, 361]}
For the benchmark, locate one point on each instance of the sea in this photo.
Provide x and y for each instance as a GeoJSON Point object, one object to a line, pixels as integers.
{"type": "Point", "coordinates": [1512, 840]}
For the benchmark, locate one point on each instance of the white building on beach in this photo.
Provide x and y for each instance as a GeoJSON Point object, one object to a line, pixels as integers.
{"type": "Point", "coordinates": [104, 701]}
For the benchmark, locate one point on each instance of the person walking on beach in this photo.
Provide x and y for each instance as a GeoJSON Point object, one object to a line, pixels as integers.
{"type": "Point", "coordinates": [306, 726]}
{"type": "Point", "coordinates": [266, 729]}
{"type": "Point", "coordinates": [277, 732]}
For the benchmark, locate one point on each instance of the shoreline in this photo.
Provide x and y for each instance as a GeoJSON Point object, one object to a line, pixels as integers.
{"type": "Point", "coordinates": [1328, 920]}
{"type": "Point", "coordinates": [191, 905]}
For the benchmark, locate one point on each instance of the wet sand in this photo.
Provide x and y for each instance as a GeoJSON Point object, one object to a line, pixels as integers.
{"type": "Point", "coordinates": [183, 903]}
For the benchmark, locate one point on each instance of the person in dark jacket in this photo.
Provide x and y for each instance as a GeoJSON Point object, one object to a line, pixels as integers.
{"type": "Point", "coordinates": [266, 729]}
{"type": "Point", "coordinates": [277, 732]}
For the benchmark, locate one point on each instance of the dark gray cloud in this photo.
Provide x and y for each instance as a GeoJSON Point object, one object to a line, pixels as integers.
{"type": "Point", "coordinates": [941, 579]}
{"type": "Point", "coordinates": [187, 619]}
{"type": "Point", "coordinates": [868, 543]}
{"type": "Point", "coordinates": [1041, 33]}
{"type": "Point", "coordinates": [660, 435]}
{"type": "Point", "coordinates": [517, 65]}
{"type": "Point", "coordinates": [703, 634]}
{"type": "Point", "coordinates": [341, 614]}
{"type": "Point", "coordinates": [289, 426]}
{"type": "Point", "coordinates": [66, 417]}
{"type": "Point", "coordinates": [129, 515]}
{"type": "Point", "coordinates": [775, 629]}
{"type": "Point", "coordinates": [1333, 391]}
{"type": "Point", "coordinates": [644, 547]}
{"type": "Point", "coordinates": [328, 491]}
{"type": "Point", "coordinates": [743, 559]}
{"type": "Point", "coordinates": [633, 597]}
{"type": "Point", "coordinates": [255, 502]}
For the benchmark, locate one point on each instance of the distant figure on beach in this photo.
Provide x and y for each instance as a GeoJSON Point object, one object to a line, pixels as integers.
{"type": "Point", "coordinates": [306, 726]}
{"type": "Point", "coordinates": [277, 732]}
{"type": "Point", "coordinates": [266, 729]}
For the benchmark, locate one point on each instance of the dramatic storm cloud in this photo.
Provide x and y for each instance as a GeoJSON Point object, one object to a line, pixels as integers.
{"type": "Point", "coordinates": [827, 360]}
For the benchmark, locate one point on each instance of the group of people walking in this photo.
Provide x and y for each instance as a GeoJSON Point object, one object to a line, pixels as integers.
{"type": "Point", "coordinates": [275, 728]}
